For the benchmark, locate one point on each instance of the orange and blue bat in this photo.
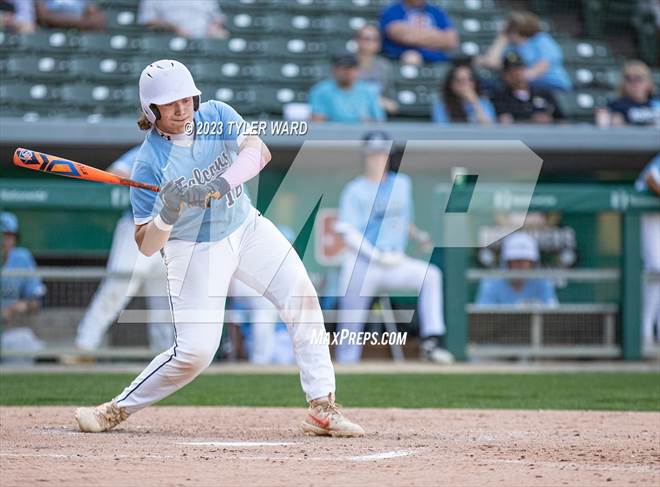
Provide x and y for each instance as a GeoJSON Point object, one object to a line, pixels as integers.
{"type": "Point", "coordinates": [39, 161]}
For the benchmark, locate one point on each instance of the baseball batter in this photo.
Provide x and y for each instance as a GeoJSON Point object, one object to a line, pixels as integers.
{"type": "Point", "coordinates": [375, 220]}
{"type": "Point", "coordinates": [114, 294]}
{"type": "Point", "coordinates": [207, 232]}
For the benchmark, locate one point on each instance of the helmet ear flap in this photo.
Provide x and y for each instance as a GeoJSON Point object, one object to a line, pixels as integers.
{"type": "Point", "coordinates": [154, 109]}
{"type": "Point", "coordinates": [196, 100]}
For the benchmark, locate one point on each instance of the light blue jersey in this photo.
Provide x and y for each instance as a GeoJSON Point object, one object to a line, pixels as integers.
{"type": "Point", "coordinates": [653, 168]}
{"type": "Point", "coordinates": [17, 288]}
{"type": "Point", "coordinates": [211, 154]}
{"type": "Point", "coordinates": [499, 291]}
{"type": "Point", "coordinates": [364, 205]}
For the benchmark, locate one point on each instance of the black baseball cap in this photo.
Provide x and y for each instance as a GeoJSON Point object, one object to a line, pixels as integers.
{"type": "Point", "coordinates": [377, 141]}
{"type": "Point", "coordinates": [344, 59]}
{"type": "Point", "coordinates": [512, 60]}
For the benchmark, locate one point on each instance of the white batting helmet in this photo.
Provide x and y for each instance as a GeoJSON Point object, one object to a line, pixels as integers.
{"type": "Point", "coordinates": [163, 82]}
{"type": "Point", "coordinates": [520, 246]}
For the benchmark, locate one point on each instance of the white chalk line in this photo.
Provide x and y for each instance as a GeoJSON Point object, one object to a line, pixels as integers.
{"type": "Point", "coordinates": [238, 444]}
{"type": "Point", "coordinates": [84, 457]}
{"type": "Point", "coordinates": [593, 466]}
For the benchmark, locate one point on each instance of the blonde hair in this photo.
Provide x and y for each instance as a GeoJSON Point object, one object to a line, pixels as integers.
{"type": "Point", "coordinates": [143, 122]}
{"type": "Point", "coordinates": [639, 67]}
{"type": "Point", "coordinates": [525, 24]}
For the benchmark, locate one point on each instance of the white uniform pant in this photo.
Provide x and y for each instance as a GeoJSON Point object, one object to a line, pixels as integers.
{"type": "Point", "coordinates": [651, 291]}
{"type": "Point", "coordinates": [199, 275]}
{"type": "Point", "coordinates": [267, 347]}
{"type": "Point", "coordinates": [114, 294]}
{"type": "Point", "coordinates": [365, 281]}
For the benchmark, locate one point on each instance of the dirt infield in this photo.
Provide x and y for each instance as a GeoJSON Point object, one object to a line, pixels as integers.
{"type": "Point", "coordinates": [252, 446]}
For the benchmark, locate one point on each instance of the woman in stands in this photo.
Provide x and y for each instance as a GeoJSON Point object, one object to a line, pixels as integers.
{"type": "Point", "coordinates": [544, 59]}
{"type": "Point", "coordinates": [459, 100]}
{"type": "Point", "coordinates": [637, 103]}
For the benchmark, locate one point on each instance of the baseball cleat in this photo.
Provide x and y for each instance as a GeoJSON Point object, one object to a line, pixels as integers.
{"type": "Point", "coordinates": [431, 351]}
{"type": "Point", "coordinates": [325, 419]}
{"type": "Point", "coordinates": [100, 418]}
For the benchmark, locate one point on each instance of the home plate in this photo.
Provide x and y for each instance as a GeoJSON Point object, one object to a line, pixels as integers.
{"type": "Point", "coordinates": [235, 443]}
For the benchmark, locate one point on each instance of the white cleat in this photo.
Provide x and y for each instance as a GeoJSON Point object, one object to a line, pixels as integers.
{"type": "Point", "coordinates": [324, 419]}
{"type": "Point", "coordinates": [431, 351]}
{"type": "Point", "coordinates": [100, 418]}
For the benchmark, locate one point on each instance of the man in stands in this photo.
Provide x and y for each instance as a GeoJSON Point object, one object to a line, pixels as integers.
{"type": "Point", "coordinates": [518, 101]}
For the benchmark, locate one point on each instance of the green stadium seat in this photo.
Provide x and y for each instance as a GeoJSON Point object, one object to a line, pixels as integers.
{"type": "Point", "coordinates": [277, 96]}
{"type": "Point", "coordinates": [430, 74]}
{"type": "Point", "coordinates": [165, 45]}
{"type": "Point", "coordinates": [123, 18]}
{"type": "Point", "coordinates": [583, 52]}
{"type": "Point", "coordinates": [234, 48]}
{"type": "Point", "coordinates": [105, 68]}
{"type": "Point", "coordinates": [26, 94]}
{"type": "Point", "coordinates": [580, 105]}
{"type": "Point", "coordinates": [35, 67]}
{"type": "Point", "coordinates": [10, 43]}
{"type": "Point", "coordinates": [415, 101]}
{"type": "Point", "coordinates": [244, 98]}
{"type": "Point", "coordinates": [249, 6]}
{"type": "Point", "coordinates": [594, 77]}
{"type": "Point", "coordinates": [93, 95]}
{"type": "Point", "coordinates": [367, 8]}
{"type": "Point", "coordinates": [101, 43]}
{"type": "Point", "coordinates": [217, 71]}
{"type": "Point", "coordinates": [299, 48]}
{"type": "Point", "coordinates": [306, 7]}
{"type": "Point", "coordinates": [50, 41]}
{"type": "Point", "coordinates": [301, 72]}
{"type": "Point", "coordinates": [257, 23]}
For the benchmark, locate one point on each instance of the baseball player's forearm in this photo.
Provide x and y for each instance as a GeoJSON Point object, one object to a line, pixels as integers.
{"type": "Point", "coordinates": [150, 238]}
{"type": "Point", "coordinates": [252, 157]}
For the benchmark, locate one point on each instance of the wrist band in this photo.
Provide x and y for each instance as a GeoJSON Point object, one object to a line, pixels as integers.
{"type": "Point", "coordinates": [161, 225]}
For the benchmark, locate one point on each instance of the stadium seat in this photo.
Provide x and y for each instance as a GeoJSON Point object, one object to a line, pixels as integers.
{"type": "Point", "coordinates": [35, 67]}
{"type": "Point", "coordinates": [367, 8]}
{"type": "Point", "coordinates": [593, 77]}
{"type": "Point", "coordinates": [300, 72]}
{"type": "Point", "coordinates": [21, 93]}
{"type": "Point", "coordinates": [406, 75]}
{"type": "Point", "coordinates": [580, 105]}
{"type": "Point", "coordinates": [210, 71]}
{"type": "Point", "coordinates": [244, 98]}
{"type": "Point", "coordinates": [166, 45]}
{"type": "Point", "coordinates": [250, 6]}
{"type": "Point", "coordinates": [234, 48]}
{"type": "Point", "coordinates": [415, 101]}
{"type": "Point", "coordinates": [582, 52]}
{"type": "Point", "coordinates": [10, 43]}
{"type": "Point", "coordinates": [276, 96]}
{"type": "Point", "coordinates": [105, 68]}
{"type": "Point", "coordinates": [299, 48]}
{"type": "Point", "coordinates": [98, 95]}
{"type": "Point", "coordinates": [101, 43]}
{"type": "Point", "coordinates": [257, 23]}
{"type": "Point", "coordinates": [50, 41]}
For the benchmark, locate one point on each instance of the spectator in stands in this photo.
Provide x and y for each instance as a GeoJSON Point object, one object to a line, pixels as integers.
{"type": "Point", "coordinates": [70, 14]}
{"type": "Point", "coordinates": [541, 54]}
{"type": "Point", "coordinates": [637, 103]}
{"type": "Point", "coordinates": [344, 98]}
{"type": "Point", "coordinates": [649, 180]}
{"type": "Point", "coordinates": [415, 32]}
{"type": "Point", "coordinates": [186, 18]}
{"type": "Point", "coordinates": [518, 101]}
{"type": "Point", "coordinates": [375, 69]}
{"type": "Point", "coordinates": [20, 295]}
{"type": "Point", "coordinates": [460, 101]}
{"type": "Point", "coordinates": [520, 251]}
{"type": "Point", "coordinates": [17, 15]}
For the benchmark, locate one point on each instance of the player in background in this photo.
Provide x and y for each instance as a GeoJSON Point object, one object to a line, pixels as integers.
{"type": "Point", "coordinates": [208, 232]}
{"type": "Point", "coordinates": [20, 295]}
{"type": "Point", "coordinates": [375, 220]}
{"type": "Point", "coordinates": [114, 293]}
{"type": "Point", "coordinates": [520, 251]}
{"type": "Point", "coordinates": [649, 180]}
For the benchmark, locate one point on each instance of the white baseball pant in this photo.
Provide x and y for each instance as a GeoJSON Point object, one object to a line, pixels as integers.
{"type": "Point", "coordinates": [651, 292]}
{"type": "Point", "coordinates": [114, 294]}
{"type": "Point", "coordinates": [199, 275]}
{"type": "Point", "coordinates": [263, 316]}
{"type": "Point", "coordinates": [366, 280]}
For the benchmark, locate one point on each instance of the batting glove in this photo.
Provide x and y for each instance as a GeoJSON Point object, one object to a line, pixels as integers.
{"type": "Point", "coordinates": [200, 195]}
{"type": "Point", "coordinates": [172, 197]}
